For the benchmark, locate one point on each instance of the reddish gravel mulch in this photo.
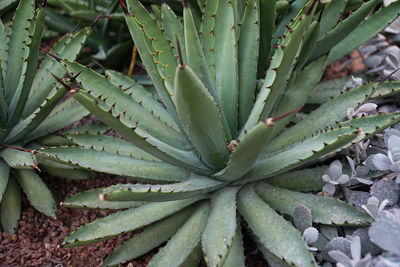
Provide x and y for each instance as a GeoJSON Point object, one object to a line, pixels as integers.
{"type": "Point", "coordinates": [39, 237]}
{"type": "Point", "coordinates": [339, 69]}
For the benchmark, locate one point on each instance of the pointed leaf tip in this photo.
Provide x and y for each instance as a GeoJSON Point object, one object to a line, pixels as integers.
{"type": "Point", "coordinates": [96, 20]}
{"type": "Point", "coordinates": [50, 54]}
{"type": "Point", "coordinates": [124, 7]}
{"type": "Point", "coordinates": [21, 149]}
{"type": "Point", "coordinates": [283, 116]}
{"type": "Point", "coordinates": [321, 13]}
{"type": "Point", "coordinates": [310, 9]}
{"type": "Point", "coordinates": [60, 81]}
{"type": "Point", "coordinates": [178, 44]}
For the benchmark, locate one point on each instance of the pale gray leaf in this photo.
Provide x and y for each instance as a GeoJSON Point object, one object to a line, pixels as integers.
{"type": "Point", "coordinates": [340, 257]}
{"type": "Point", "coordinates": [385, 231]}
{"type": "Point", "coordinates": [310, 235]}
{"type": "Point", "coordinates": [302, 217]}
{"type": "Point", "coordinates": [355, 248]}
{"type": "Point", "coordinates": [381, 162]}
{"type": "Point", "coordinates": [385, 190]}
{"type": "Point", "coordinates": [329, 189]}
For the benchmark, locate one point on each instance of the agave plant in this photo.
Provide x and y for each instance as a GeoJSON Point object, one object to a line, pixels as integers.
{"type": "Point", "coordinates": [212, 153]}
{"type": "Point", "coordinates": [109, 39]}
{"type": "Point", "coordinates": [27, 110]}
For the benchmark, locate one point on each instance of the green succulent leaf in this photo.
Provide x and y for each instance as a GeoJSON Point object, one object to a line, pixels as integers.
{"type": "Point", "coordinates": [194, 186]}
{"type": "Point", "coordinates": [127, 221]}
{"type": "Point", "coordinates": [90, 200]}
{"type": "Point", "coordinates": [246, 152]}
{"type": "Point", "coordinates": [272, 231]}
{"type": "Point", "coordinates": [4, 174]}
{"type": "Point", "coordinates": [294, 10]}
{"type": "Point", "coordinates": [281, 67]}
{"type": "Point", "coordinates": [11, 207]}
{"type": "Point", "coordinates": [272, 260]}
{"type": "Point", "coordinates": [100, 87]}
{"type": "Point", "coordinates": [368, 29]}
{"type": "Point", "coordinates": [151, 237]}
{"type": "Point", "coordinates": [332, 13]}
{"type": "Point", "coordinates": [60, 117]}
{"type": "Point", "coordinates": [68, 47]}
{"type": "Point", "coordinates": [158, 39]}
{"type": "Point", "coordinates": [18, 50]}
{"type": "Point", "coordinates": [194, 258]}
{"type": "Point", "coordinates": [3, 68]}
{"type": "Point", "coordinates": [326, 115]}
{"type": "Point", "coordinates": [130, 132]}
{"type": "Point", "coordinates": [207, 35]}
{"type": "Point", "coordinates": [141, 95]}
{"type": "Point", "coordinates": [18, 159]}
{"type": "Point", "coordinates": [226, 64]}
{"type": "Point", "coordinates": [386, 89]}
{"type": "Point", "coordinates": [90, 128]}
{"type": "Point", "coordinates": [372, 124]}
{"type": "Point", "coordinates": [249, 47]}
{"type": "Point", "coordinates": [110, 144]}
{"type": "Point", "coordinates": [160, 84]}
{"type": "Point", "coordinates": [235, 257]}
{"type": "Point", "coordinates": [194, 52]}
{"type": "Point", "coordinates": [267, 16]}
{"type": "Point", "coordinates": [64, 171]}
{"type": "Point", "coordinates": [300, 180]}
{"type": "Point", "coordinates": [200, 117]}
{"type": "Point", "coordinates": [343, 29]}
{"type": "Point", "coordinates": [326, 90]}
{"type": "Point", "coordinates": [221, 227]}
{"type": "Point", "coordinates": [180, 246]}
{"type": "Point", "coordinates": [37, 192]}
{"type": "Point", "coordinates": [325, 210]}
{"type": "Point", "coordinates": [30, 58]}
{"type": "Point", "coordinates": [3, 54]}
{"type": "Point", "coordinates": [302, 152]}
{"type": "Point", "coordinates": [298, 90]}
{"type": "Point", "coordinates": [31, 122]}
{"type": "Point", "coordinates": [172, 26]}
{"type": "Point", "coordinates": [114, 163]}
{"type": "Point", "coordinates": [308, 45]}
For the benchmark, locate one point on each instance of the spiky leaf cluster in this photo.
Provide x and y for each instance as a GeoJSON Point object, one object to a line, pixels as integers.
{"type": "Point", "coordinates": [202, 146]}
{"type": "Point", "coordinates": [28, 115]}
{"type": "Point", "coordinates": [109, 40]}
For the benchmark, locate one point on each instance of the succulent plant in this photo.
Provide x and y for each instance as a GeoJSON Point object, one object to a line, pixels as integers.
{"type": "Point", "coordinates": [356, 261]}
{"type": "Point", "coordinates": [333, 177]}
{"type": "Point", "coordinates": [202, 146]}
{"type": "Point", "coordinates": [391, 161]}
{"type": "Point", "coordinates": [109, 39]}
{"type": "Point", "coordinates": [374, 206]}
{"type": "Point", "coordinates": [385, 231]}
{"type": "Point", "coordinates": [27, 110]}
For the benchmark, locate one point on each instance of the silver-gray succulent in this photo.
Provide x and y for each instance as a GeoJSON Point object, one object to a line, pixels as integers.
{"type": "Point", "coordinates": [344, 260]}
{"type": "Point", "coordinates": [391, 161]}
{"type": "Point", "coordinates": [385, 231]}
{"type": "Point", "coordinates": [334, 176]}
{"type": "Point", "coordinates": [365, 109]}
{"type": "Point", "coordinates": [374, 206]}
